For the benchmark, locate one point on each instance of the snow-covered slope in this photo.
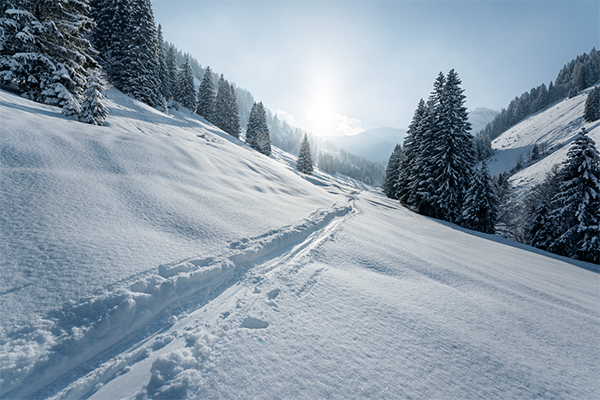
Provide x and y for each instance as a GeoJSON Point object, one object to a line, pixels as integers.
{"type": "Point", "coordinates": [157, 257]}
{"type": "Point", "coordinates": [553, 128]}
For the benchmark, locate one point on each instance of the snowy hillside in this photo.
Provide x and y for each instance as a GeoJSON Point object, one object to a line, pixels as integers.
{"type": "Point", "coordinates": [157, 257]}
{"type": "Point", "coordinates": [553, 128]}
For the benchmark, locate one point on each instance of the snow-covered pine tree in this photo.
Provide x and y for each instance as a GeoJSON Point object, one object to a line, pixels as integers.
{"type": "Point", "coordinates": [304, 163]}
{"type": "Point", "coordinates": [142, 55]}
{"type": "Point", "coordinates": [392, 172]}
{"type": "Point", "coordinates": [423, 195]}
{"type": "Point", "coordinates": [576, 206]}
{"type": "Point", "coordinates": [480, 209]}
{"type": "Point", "coordinates": [93, 110]}
{"type": "Point", "coordinates": [172, 73]}
{"type": "Point", "coordinates": [406, 182]}
{"type": "Point", "coordinates": [163, 71]}
{"type": "Point", "coordinates": [101, 35]}
{"type": "Point", "coordinates": [591, 111]}
{"type": "Point", "coordinates": [539, 231]}
{"type": "Point", "coordinates": [264, 139]}
{"type": "Point", "coordinates": [252, 127]}
{"type": "Point", "coordinates": [186, 92]}
{"type": "Point", "coordinates": [221, 103]}
{"type": "Point", "coordinates": [206, 96]}
{"type": "Point", "coordinates": [71, 108]}
{"type": "Point", "coordinates": [116, 21]}
{"type": "Point", "coordinates": [452, 151]}
{"type": "Point", "coordinates": [257, 131]}
{"type": "Point", "coordinates": [233, 125]}
{"type": "Point", "coordinates": [44, 53]}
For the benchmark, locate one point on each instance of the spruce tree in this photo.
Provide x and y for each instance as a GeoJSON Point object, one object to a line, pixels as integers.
{"type": "Point", "coordinates": [44, 51]}
{"type": "Point", "coordinates": [591, 111]}
{"type": "Point", "coordinates": [172, 72]}
{"type": "Point", "coordinates": [142, 55]}
{"type": "Point", "coordinates": [451, 151]}
{"type": "Point", "coordinates": [93, 110]}
{"type": "Point", "coordinates": [163, 71]}
{"type": "Point", "coordinates": [576, 206]}
{"type": "Point", "coordinates": [252, 127]}
{"type": "Point", "coordinates": [233, 125]}
{"type": "Point", "coordinates": [221, 103]}
{"type": "Point", "coordinates": [480, 210]}
{"type": "Point", "coordinates": [392, 172]}
{"type": "Point", "coordinates": [206, 97]}
{"type": "Point", "coordinates": [257, 131]}
{"type": "Point", "coordinates": [185, 91]}
{"type": "Point", "coordinates": [408, 176]}
{"type": "Point", "coordinates": [304, 163]}
{"type": "Point", "coordinates": [116, 41]}
{"type": "Point", "coordinates": [423, 192]}
{"type": "Point", "coordinates": [539, 231]}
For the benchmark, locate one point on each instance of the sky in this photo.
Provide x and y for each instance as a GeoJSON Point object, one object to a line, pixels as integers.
{"type": "Point", "coordinates": [341, 67]}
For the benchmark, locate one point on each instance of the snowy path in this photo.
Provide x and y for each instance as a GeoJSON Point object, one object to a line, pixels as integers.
{"type": "Point", "coordinates": [144, 304]}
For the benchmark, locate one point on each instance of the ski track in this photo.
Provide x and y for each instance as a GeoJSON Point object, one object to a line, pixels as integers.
{"type": "Point", "coordinates": [60, 350]}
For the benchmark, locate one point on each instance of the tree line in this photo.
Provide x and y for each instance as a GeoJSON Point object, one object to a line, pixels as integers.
{"type": "Point", "coordinates": [435, 173]}
{"type": "Point", "coordinates": [576, 76]}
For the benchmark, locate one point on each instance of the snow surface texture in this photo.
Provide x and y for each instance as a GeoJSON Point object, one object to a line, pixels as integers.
{"type": "Point", "coordinates": [157, 257]}
{"type": "Point", "coordinates": [556, 127]}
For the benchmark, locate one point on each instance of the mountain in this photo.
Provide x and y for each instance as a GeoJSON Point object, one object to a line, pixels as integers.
{"type": "Point", "coordinates": [551, 130]}
{"type": "Point", "coordinates": [377, 144]}
{"type": "Point", "coordinates": [158, 257]}
{"type": "Point", "coordinates": [373, 144]}
{"type": "Point", "coordinates": [480, 117]}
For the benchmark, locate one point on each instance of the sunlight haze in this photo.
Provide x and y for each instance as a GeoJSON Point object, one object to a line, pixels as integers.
{"type": "Point", "coordinates": [341, 67]}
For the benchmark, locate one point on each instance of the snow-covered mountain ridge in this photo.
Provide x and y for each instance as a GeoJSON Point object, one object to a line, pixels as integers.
{"type": "Point", "coordinates": [157, 257]}
{"type": "Point", "coordinates": [553, 129]}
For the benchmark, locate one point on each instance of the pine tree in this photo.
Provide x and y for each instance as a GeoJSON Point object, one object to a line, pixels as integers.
{"type": "Point", "coordinates": [257, 131]}
{"type": "Point", "coordinates": [114, 40]}
{"type": "Point", "coordinates": [206, 97]}
{"type": "Point", "coordinates": [71, 108]}
{"type": "Point", "coordinates": [141, 78]}
{"type": "Point", "coordinates": [407, 181]}
{"type": "Point", "coordinates": [163, 71]}
{"type": "Point", "coordinates": [480, 210]}
{"type": "Point", "coordinates": [576, 206]}
{"type": "Point", "coordinates": [539, 231]}
{"type": "Point", "coordinates": [233, 125]}
{"type": "Point", "coordinates": [591, 111]}
{"type": "Point", "coordinates": [304, 163]}
{"type": "Point", "coordinates": [44, 52]}
{"type": "Point", "coordinates": [93, 110]}
{"type": "Point", "coordinates": [451, 151]}
{"type": "Point", "coordinates": [221, 103]}
{"type": "Point", "coordinates": [392, 172]}
{"type": "Point", "coordinates": [172, 72]}
{"type": "Point", "coordinates": [185, 91]}
{"type": "Point", "coordinates": [252, 127]}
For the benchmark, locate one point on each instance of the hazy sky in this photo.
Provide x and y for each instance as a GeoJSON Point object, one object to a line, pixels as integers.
{"type": "Point", "coordinates": [338, 67]}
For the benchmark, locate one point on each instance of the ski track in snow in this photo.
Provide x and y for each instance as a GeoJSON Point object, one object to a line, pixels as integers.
{"type": "Point", "coordinates": [135, 318]}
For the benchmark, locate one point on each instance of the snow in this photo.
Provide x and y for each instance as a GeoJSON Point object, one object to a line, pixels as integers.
{"type": "Point", "coordinates": [157, 257]}
{"type": "Point", "coordinates": [556, 126]}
